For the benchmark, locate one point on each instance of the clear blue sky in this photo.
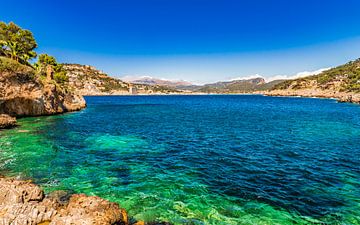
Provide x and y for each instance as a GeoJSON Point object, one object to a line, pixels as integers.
{"type": "Point", "coordinates": [197, 40]}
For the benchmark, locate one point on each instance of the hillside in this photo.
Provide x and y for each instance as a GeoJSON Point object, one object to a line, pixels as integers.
{"type": "Point", "coordinates": [238, 86]}
{"type": "Point", "coordinates": [342, 82]}
{"type": "Point", "coordinates": [161, 82]}
{"type": "Point", "coordinates": [87, 80]}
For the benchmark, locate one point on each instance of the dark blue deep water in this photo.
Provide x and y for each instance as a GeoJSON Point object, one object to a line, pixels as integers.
{"type": "Point", "coordinates": [215, 159]}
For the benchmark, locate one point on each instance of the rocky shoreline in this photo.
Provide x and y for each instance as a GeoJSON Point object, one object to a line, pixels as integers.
{"type": "Point", "coordinates": [25, 93]}
{"type": "Point", "coordinates": [20, 96]}
{"type": "Point", "coordinates": [24, 203]}
{"type": "Point", "coordinates": [349, 97]}
{"type": "Point", "coordinates": [7, 121]}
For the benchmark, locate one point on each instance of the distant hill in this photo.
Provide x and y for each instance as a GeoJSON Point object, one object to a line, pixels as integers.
{"type": "Point", "coordinates": [344, 78]}
{"type": "Point", "coordinates": [234, 86]}
{"type": "Point", "coordinates": [238, 86]}
{"type": "Point", "coordinates": [161, 82]}
{"type": "Point", "coordinates": [342, 82]}
{"type": "Point", "coordinates": [87, 80]}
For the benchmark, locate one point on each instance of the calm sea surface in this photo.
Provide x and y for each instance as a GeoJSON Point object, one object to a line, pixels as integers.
{"type": "Point", "coordinates": [212, 159]}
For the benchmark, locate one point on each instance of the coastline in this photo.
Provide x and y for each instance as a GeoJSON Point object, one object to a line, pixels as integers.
{"type": "Point", "coordinates": [23, 202]}
{"type": "Point", "coordinates": [348, 97]}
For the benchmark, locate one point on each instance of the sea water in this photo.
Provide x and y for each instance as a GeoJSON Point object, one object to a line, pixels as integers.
{"type": "Point", "coordinates": [213, 159]}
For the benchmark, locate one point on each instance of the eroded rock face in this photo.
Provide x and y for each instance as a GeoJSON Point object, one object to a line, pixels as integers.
{"type": "Point", "coordinates": [7, 121]}
{"type": "Point", "coordinates": [24, 203]}
{"type": "Point", "coordinates": [23, 95]}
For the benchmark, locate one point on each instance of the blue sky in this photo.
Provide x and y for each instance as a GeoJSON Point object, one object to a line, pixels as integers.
{"type": "Point", "coordinates": [196, 40]}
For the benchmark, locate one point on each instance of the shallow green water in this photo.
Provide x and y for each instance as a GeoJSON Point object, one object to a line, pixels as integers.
{"type": "Point", "coordinates": [200, 159]}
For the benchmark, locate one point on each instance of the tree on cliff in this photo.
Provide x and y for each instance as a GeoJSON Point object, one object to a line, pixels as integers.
{"type": "Point", "coordinates": [16, 43]}
{"type": "Point", "coordinates": [46, 62]}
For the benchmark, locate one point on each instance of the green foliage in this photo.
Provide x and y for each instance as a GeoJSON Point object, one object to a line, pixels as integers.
{"type": "Point", "coordinates": [110, 84]}
{"type": "Point", "coordinates": [347, 75]}
{"type": "Point", "coordinates": [283, 85]}
{"type": "Point", "coordinates": [45, 60]}
{"type": "Point", "coordinates": [16, 43]}
{"type": "Point", "coordinates": [12, 66]}
{"type": "Point", "coordinates": [237, 86]}
{"type": "Point", "coordinates": [61, 77]}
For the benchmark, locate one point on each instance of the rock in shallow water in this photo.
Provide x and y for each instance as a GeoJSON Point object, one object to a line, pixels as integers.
{"type": "Point", "coordinates": [7, 121]}
{"type": "Point", "coordinates": [22, 202]}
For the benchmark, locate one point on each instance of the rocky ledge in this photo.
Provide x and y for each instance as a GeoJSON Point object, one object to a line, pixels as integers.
{"type": "Point", "coordinates": [7, 121]}
{"type": "Point", "coordinates": [25, 93]}
{"type": "Point", "coordinates": [24, 203]}
{"type": "Point", "coordinates": [20, 96]}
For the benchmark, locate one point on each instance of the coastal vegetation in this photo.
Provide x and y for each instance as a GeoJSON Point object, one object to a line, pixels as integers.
{"type": "Point", "coordinates": [344, 78]}
{"type": "Point", "coordinates": [16, 43]}
{"type": "Point", "coordinates": [17, 48]}
{"type": "Point", "coordinates": [239, 86]}
{"type": "Point", "coordinates": [45, 62]}
{"type": "Point", "coordinates": [11, 66]}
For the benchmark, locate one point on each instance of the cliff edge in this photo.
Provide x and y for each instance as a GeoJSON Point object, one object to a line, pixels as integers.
{"type": "Point", "coordinates": [24, 93]}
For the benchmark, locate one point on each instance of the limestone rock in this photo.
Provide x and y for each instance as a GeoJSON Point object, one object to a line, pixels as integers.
{"type": "Point", "coordinates": [7, 121]}
{"type": "Point", "coordinates": [22, 94]}
{"type": "Point", "coordinates": [85, 210]}
{"type": "Point", "coordinates": [318, 93]}
{"type": "Point", "coordinates": [24, 203]}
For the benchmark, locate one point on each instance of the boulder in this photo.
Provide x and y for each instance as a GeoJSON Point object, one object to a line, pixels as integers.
{"type": "Point", "coordinates": [24, 203]}
{"type": "Point", "coordinates": [91, 210]}
{"type": "Point", "coordinates": [7, 121]}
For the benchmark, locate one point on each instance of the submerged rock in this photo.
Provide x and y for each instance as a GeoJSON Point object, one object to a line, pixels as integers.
{"type": "Point", "coordinates": [7, 121]}
{"type": "Point", "coordinates": [24, 203]}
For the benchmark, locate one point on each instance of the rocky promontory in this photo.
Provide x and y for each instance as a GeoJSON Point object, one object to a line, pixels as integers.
{"type": "Point", "coordinates": [23, 93]}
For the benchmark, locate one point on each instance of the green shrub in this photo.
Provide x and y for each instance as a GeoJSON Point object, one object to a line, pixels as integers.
{"type": "Point", "coordinates": [61, 77]}
{"type": "Point", "coordinates": [12, 66]}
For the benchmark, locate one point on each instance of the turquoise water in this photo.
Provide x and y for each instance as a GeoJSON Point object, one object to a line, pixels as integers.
{"type": "Point", "coordinates": [200, 159]}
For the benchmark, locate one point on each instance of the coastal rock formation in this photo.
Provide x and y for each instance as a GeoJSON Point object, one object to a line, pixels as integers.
{"type": "Point", "coordinates": [24, 203]}
{"type": "Point", "coordinates": [7, 121]}
{"type": "Point", "coordinates": [22, 93]}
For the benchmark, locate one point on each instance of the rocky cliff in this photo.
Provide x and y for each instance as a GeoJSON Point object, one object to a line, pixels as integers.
{"type": "Point", "coordinates": [342, 82]}
{"type": "Point", "coordinates": [23, 93]}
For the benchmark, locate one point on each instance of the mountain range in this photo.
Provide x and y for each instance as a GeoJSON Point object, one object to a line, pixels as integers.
{"type": "Point", "coordinates": [233, 86]}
